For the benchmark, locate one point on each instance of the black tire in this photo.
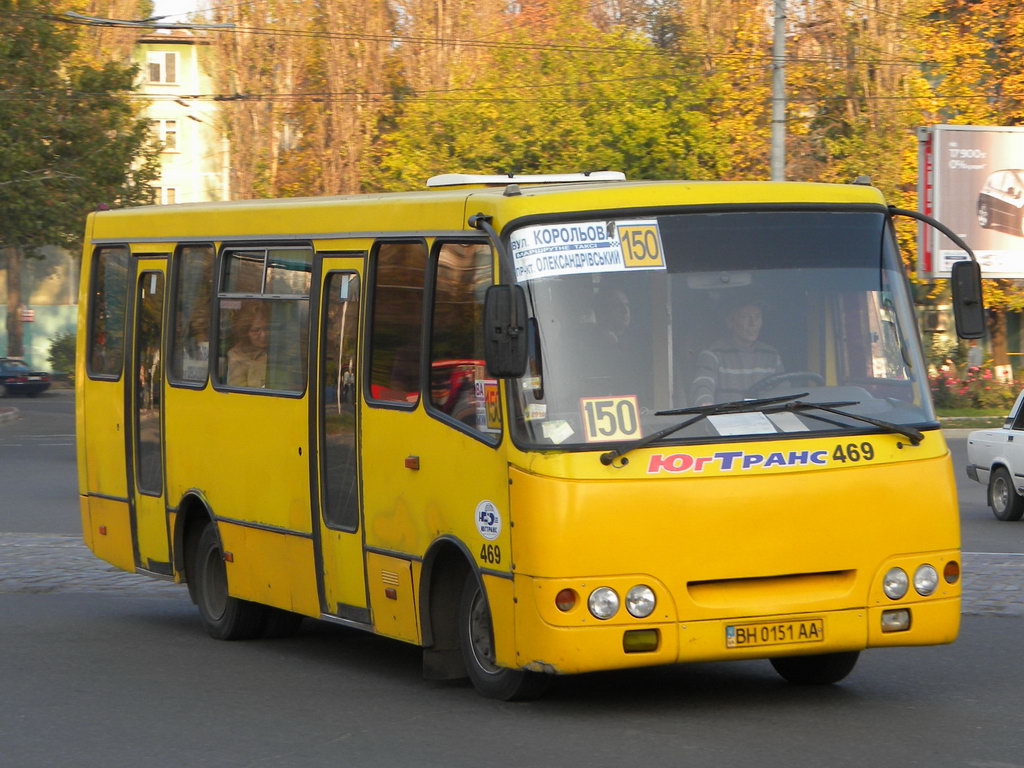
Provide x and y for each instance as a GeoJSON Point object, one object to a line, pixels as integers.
{"type": "Point", "coordinates": [1006, 503]}
{"type": "Point", "coordinates": [225, 617]}
{"type": "Point", "coordinates": [476, 641]}
{"type": "Point", "coordinates": [823, 669]}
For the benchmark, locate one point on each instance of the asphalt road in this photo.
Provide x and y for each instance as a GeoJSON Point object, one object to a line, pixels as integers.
{"type": "Point", "coordinates": [114, 670]}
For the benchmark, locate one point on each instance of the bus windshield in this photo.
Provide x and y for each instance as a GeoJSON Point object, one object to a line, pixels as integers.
{"type": "Point", "coordinates": [634, 315]}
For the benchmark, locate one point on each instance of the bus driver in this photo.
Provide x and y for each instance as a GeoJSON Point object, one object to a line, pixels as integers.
{"type": "Point", "coordinates": [730, 367]}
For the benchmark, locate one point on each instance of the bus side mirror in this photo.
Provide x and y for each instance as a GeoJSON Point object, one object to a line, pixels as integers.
{"type": "Point", "coordinates": [968, 308]}
{"type": "Point", "coordinates": [505, 348]}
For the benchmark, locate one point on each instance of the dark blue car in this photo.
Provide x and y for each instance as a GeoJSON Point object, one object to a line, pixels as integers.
{"type": "Point", "coordinates": [16, 378]}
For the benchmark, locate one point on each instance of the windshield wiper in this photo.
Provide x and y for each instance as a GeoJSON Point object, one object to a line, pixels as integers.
{"type": "Point", "coordinates": [700, 412]}
{"type": "Point", "coordinates": [913, 435]}
{"type": "Point", "coordinates": [791, 403]}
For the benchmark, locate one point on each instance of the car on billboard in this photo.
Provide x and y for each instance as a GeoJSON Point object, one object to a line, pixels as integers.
{"type": "Point", "coordinates": [1001, 201]}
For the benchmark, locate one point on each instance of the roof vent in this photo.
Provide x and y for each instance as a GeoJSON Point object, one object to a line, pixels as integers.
{"type": "Point", "coordinates": [501, 180]}
{"type": "Point", "coordinates": [864, 181]}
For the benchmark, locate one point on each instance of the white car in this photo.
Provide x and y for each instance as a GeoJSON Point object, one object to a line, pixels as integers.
{"type": "Point", "coordinates": [996, 457]}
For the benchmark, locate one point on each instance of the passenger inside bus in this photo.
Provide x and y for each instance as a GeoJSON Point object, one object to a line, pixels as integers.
{"type": "Point", "coordinates": [247, 359]}
{"type": "Point", "coordinates": [729, 367]}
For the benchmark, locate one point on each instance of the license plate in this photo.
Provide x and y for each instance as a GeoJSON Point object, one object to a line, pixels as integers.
{"type": "Point", "coordinates": [34, 378]}
{"type": "Point", "coordinates": [774, 633]}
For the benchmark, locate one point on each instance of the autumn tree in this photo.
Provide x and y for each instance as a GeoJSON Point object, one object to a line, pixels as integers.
{"type": "Point", "coordinates": [554, 93]}
{"type": "Point", "coordinates": [975, 49]}
{"type": "Point", "coordinates": [70, 141]}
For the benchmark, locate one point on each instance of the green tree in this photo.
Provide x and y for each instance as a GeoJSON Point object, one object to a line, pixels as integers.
{"type": "Point", "coordinates": [70, 141]}
{"type": "Point", "coordinates": [556, 93]}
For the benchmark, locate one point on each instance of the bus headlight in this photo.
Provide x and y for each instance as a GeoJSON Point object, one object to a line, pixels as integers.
{"type": "Point", "coordinates": [640, 601]}
{"type": "Point", "coordinates": [603, 603]}
{"type": "Point", "coordinates": [926, 579]}
{"type": "Point", "coordinates": [895, 583]}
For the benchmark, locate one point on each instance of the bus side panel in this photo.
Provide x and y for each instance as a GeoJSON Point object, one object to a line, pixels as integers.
{"type": "Point", "coordinates": [501, 597]}
{"type": "Point", "coordinates": [392, 597]}
{"type": "Point", "coordinates": [108, 530]}
{"type": "Point", "coordinates": [272, 568]}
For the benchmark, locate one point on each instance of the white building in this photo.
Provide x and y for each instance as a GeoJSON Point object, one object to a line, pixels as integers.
{"type": "Point", "coordinates": [195, 162]}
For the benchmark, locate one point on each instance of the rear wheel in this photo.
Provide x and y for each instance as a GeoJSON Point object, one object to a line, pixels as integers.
{"type": "Point", "coordinates": [824, 669]}
{"type": "Point", "coordinates": [476, 640]}
{"type": "Point", "coordinates": [225, 617]}
{"type": "Point", "coordinates": [1002, 496]}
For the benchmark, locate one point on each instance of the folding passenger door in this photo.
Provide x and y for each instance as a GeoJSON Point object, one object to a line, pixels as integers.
{"type": "Point", "coordinates": [335, 421]}
{"type": "Point", "coordinates": [144, 406]}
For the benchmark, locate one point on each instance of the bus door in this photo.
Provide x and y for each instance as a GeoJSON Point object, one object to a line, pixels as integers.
{"type": "Point", "coordinates": [145, 406]}
{"type": "Point", "coordinates": [334, 396]}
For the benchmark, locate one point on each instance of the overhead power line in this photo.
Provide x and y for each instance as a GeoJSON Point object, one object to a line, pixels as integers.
{"type": "Point", "coordinates": [393, 39]}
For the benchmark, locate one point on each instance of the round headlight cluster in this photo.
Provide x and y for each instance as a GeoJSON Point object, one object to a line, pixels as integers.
{"type": "Point", "coordinates": [896, 583]}
{"type": "Point", "coordinates": [640, 601]}
{"type": "Point", "coordinates": [926, 579]}
{"type": "Point", "coordinates": [604, 602]}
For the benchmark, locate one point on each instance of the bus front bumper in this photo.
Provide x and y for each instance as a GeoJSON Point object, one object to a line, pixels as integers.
{"type": "Point", "coordinates": [594, 646]}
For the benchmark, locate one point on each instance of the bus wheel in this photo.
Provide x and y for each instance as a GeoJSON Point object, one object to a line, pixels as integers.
{"type": "Point", "coordinates": [476, 640]}
{"type": "Point", "coordinates": [225, 617]}
{"type": "Point", "coordinates": [823, 669]}
{"type": "Point", "coordinates": [1002, 496]}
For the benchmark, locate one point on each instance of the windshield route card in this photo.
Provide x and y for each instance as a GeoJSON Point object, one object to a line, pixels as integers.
{"type": "Point", "coordinates": [753, 423]}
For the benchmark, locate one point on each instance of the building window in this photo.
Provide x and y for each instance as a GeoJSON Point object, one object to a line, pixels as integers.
{"type": "Point", "coordinates": [165, 195]}
{"type": "Point", "coordinates": [166, 132]}
{"type": "Point", "coordinates": [162, 67]}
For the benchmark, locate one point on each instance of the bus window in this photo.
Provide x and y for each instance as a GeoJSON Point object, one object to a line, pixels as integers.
{"type": "Point", "coordinates": [458, 386]}
{"type": "Point", "coordinates": [190, 353]}
{"type": "Point", "coordinates": [263, 319]}
{"type": "Point", "coordinates": [106, 326]}
{"type": "Point", "coordinates": [397, 319]}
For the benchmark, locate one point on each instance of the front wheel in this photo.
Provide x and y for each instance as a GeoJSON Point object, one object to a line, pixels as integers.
{"type": "Point", "coordinates": [225, 617]}
{"type": "Point", "coordinates": [476, 641]}
{"type": "Point", "coordinates": [1002, 496]}
{"type": "Point", "coordinates": [823, 669]}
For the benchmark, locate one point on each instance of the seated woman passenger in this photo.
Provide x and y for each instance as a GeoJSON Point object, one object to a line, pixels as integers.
{"type": "Point", "coordinates": [247, 359]}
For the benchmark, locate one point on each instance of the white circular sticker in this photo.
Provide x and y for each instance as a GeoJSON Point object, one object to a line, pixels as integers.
{"type": "Point", "coordinates": [488, 520]}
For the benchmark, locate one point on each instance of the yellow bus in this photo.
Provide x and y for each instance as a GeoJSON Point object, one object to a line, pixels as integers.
{"type": "Point", "coordinates": [537, 426]}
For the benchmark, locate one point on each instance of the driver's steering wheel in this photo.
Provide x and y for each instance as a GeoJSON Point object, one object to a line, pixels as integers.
{"type": "Point", "coordinates": [771, 381]}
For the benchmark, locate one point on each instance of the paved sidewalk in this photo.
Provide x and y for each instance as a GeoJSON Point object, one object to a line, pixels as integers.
{"type": "Point", "coordinates": [45, 563]}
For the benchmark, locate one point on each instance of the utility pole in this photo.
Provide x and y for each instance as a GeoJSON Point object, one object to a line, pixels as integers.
{"type": "Point", "coordinates": [778, 155]}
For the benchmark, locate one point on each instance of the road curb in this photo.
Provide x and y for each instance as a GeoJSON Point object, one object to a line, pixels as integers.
{"type": "Point", "coordinates": [8, 414]}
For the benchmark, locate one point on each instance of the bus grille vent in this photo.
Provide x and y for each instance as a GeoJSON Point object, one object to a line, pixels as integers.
{"type": "Point", "coordinates": [389, 577]}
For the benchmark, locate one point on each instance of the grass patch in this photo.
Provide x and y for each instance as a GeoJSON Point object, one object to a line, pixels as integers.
{"type": "Point", "coordinates": [970, 418]}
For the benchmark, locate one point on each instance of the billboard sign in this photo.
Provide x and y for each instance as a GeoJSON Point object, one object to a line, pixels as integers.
{"type": "Point", "coordinates": [971, 178]}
